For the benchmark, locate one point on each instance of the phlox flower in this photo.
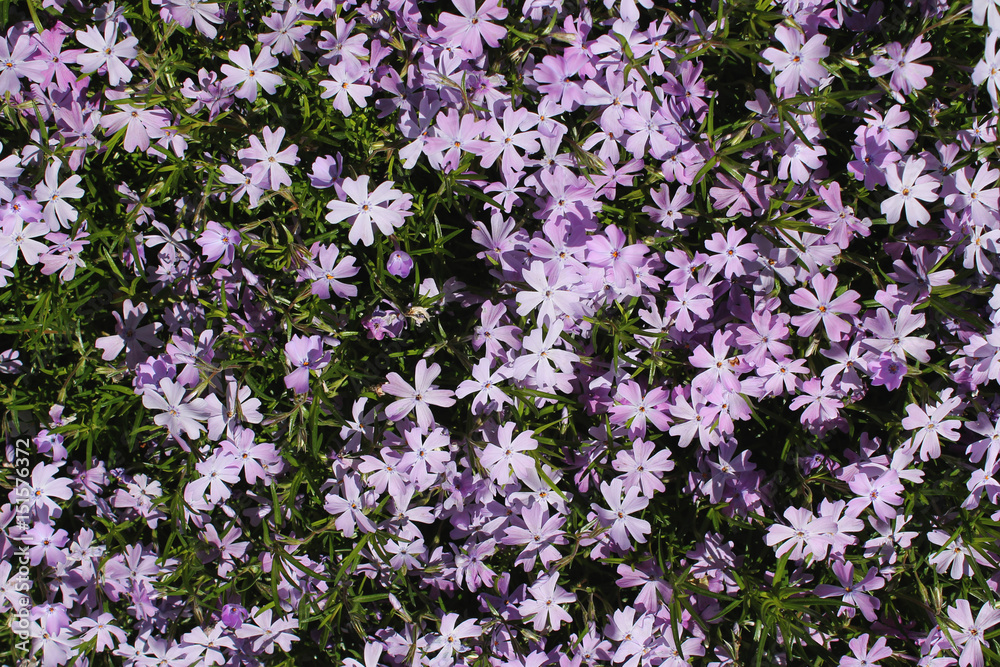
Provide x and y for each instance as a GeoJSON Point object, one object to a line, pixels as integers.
{"type": "Point", "coordinates": [988, 69]}
{"type": "Point", "coordinates": [638, 406]}
{"type": "Point", "coordinates": [385, 207]}
{"type": "Point", "coordinates": [349, 506]}
{"type": "Point", "coordinates": [100, 628]}
{"type": "Point", "coordinates": [287, 35]}
{"type": "Point", "coordinates": [976, 197]}
{"type": "Point", "coordinates": [264, 632]}
{"type": "Point", "coordinates": [469, 565]}
{"type": "Point", "coordinates": [255, 460]}
{"type": "Point", "coordinates": [820, 402]}
{"type": "Point", "coordinates": [930, 425]}
{"type": "Point", "coordinates": [218, 473]}
{"type": "Point", "coordinates": [178, 414]}
{"type": "Point", "coordinates": [553, 294]}
{"type": "Point", "coordinates": [609, 250]}
{"type": "Point", "coordinates": [695, 418]}
{"type": "Point", "coordinates": [245, 182]}
{"type": "Point", "coordinates": [764, 337]}
{"type": "Point", "coordinates": [854, 593]}
{"type": "Point", "coordinates": [485, 383]}
{"type": "Point", "coordinates": [204, 15]}
{"type": "Point", "coordinates": [887, 371]}
{"type": "Point", "coordinates": [806, 535]}
{"type": "Point", "coordinates": [59, 213]}
{"type": "Point", "coordinates": [141, 125]}
{"type": "Point", "coordinates": [800, 160]}
{"type": "Point", "coordinates": [417, 397]}
{"type": "Point", "coordinates": [17, 237]}
{"type": "Point", "coordinates": [106, 50]}
{"type": "Point", "coordinates": [219, 243]}
{"type": "Point", "coordinates": [971, 634]}
{"type": "Point", "coordinates": [643, 466]}
{"type": "Point", "coordinates": [892, 337]}
{"type": "Point", "coordinates": [129, 335]}
{"type": "Point", "coordinates": [955, 555]}
{"type": "Point", "coordinates": [729, 252]}
{"type": "Point", "coordinates": [907, 75]}
{"type": "Point", "coordinates": [618, 517]}
{"type": "Point", "coordinates": [248, 74]}
{"type": "Point", "coordinates": [826, 308]}
{"type": "Point", "coordinates": [863, 656]}
{"type": "Point", "coordinates": [503, 140]}
{"type": "Point", "coordinates": [450, 636]}
{"type": "Point", "coordinates": [345, 86]}
{"type": "Point", "coordinates": [18, 62]}
{"type": "Point", "coordinates": [304, 354]}
{"type": "Point", "coordinates": [798, 66]}
{"type": "Point", "coordinates": [327, 273]}
{"type": "Point", "coordinates": [43, 488]}
{"type": "Point", "coordinates": [537, 533]}
{"type": "Point", "coordinates": [454, 133]}
{"type": "Point", "coordinates": [547, 365]}
{"type": "Point", "coordinates": [692, 301]}
{"type": "Point", "coordinates": [45, 543]}
{"type": "Point", "coordinates": [505, 460]}
{"type": "Point", "coordinates": [911, 188]}
{"type": "Point", "coordinates": [880, 493]}
{"type": "Point", "coordinates": [987, 12]}
{"type": "Point", "coordinates": [266, 159]}
{"type": "Point", "coordinates": [543, 608]}
{"type": "Point", "coordinates": [473, 27]}
{"type": "Point", "coordinates": [720, 368]}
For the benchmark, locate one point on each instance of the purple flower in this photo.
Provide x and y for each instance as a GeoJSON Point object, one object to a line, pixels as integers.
{"type": "Point", "coordinates": [46, 544]}
{"type": "Point", "coordinates": [825, 308]}
{"type": "Point", "coordinates": [911, 188]}
{"type": "Point", "coordinates": [106, 50]}
{"type": "Point", "coordinates": [384, 206]}
{"type": "Point", "coordinates": [264, 632]}
{"type": "Point", "coordinates": [218, 242]}
{"type": "Point", "coordinates": [619, 515]}
{"type": "Point", "coordinates": [203, 15]}
{"type": "Point", "coordinates": [806, 535]}
{"type": "Point", "coordinates": [400, 264]}
{"type": "Point", "coordinates": [304, 354]}
{"type": "Point", "coordinates": [266, 159]}
{"type": "Point", "coordinates": [505, 460]}
{"type": "Point", "coordinates": [907, 75]}
{"type": "Point", "coordinates": [971, 635]}
{"type": "Point", "coordinates": [888, 371]}
{"type": "Point", "coordinates": [327, 274]}
{"type": "Point", "coordinates": [418, 397]}
{"type": "Point", "coordinates": [249, 74]}
{"type": "Point", "coordinates": [472, 28]}
{"type": "Point", "coordinates": [384, 321]}
{"type": "Point", "coordinates": [233, 616]}
{"type": "Point", "coordinates": [853, 593]}
{"type": "Point", "coordinates": [102, 629]}
{"type": "Point", "coordinates": [179, 415]}
{"type": "Point", "coordinates": [798, 66]}
{"type": "Point", "coordinates": [544, 606]}
{"type": "Point", "coordinates": [863, 656]}
{"type": "Point", "coordinates": [141, 125]}
{"type": "Point", "coordinates": [129, 335]}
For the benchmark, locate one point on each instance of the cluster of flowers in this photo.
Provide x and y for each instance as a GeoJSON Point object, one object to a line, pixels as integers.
{"type": "Point", "coordinates": [694, 305]}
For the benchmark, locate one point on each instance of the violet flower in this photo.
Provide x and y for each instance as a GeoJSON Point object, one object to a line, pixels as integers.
{"type": "Point", "coordinates": [304, 354]}
{"type": "Point", "coordinates": [417, 397]}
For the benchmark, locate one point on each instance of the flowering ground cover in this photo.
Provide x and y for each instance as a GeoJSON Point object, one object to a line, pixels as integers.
{"type": "Point", "coordinates": [546, 332]}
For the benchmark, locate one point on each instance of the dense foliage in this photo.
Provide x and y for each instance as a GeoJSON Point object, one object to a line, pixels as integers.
{"type": "Point", "coordinates": [552, 332]}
